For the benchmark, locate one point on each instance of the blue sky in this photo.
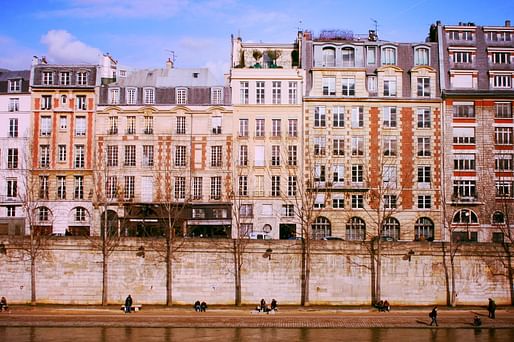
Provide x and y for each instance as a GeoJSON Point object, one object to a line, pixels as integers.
{"type": "Point", "coordinates": [140, 33]}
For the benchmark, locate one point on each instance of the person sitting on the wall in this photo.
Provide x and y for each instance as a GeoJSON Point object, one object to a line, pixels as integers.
{"type": "Point", "coordinates": [128, 304]}
{"type": "Point", "coordinates": [477, 321]}
{"type": "Point", "coordinates": [3, 304]}
{"type": "Point", "coordinates": [274, 305]}
{"type": "Point", "coordinates": [197, 306]}
{"type": "Point", "coordinates": [203, 307]}
{"type": "Point", "coordinates": [387, 306]}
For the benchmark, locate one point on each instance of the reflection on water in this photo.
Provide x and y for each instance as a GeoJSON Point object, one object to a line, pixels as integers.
{"type": "Point", "coordinates": [127, 334]}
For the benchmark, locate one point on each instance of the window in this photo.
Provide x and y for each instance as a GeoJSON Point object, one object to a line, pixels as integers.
{"type": "Point", "coordinates": [498, 237]}
{"type": "Point", "coordinates": [421, 56]}
{"type": "Point", "coordinates": [389, 56]}
{"type": "Point", "coordinates": [80, 126]}
{"type": "Point", "coordinates": [424, 148]}
{"type": "Point", "coordinates": [276, 125]}
{"type": "Point", "coordinates": [288, 210]}
{"type": "Point", "coordinates": [12, 187]}
{"type": "Point", "coordinates": [348, 86]}
{"type": "Point", "coordinates": [357, 146]}
{"type": "Point", "coordinates": [79, 156]}
{"type": "Point", "coordinates": [63, 122]}
{"type": "Point", "coordinates": [357, 117]}
{"type": "Point", "coordinates": [217, 95]}
{"type": "Point", "coordinates": [464, 162]}
{"type": "Point", "coordinates": [424, 117]}
{"type": "Point", "coordinates": [64, 100]}
{"type": "Point", "coordinates": [112, 155]}
{"type": "Point", "coordinates": [243, 92]}
{"type": "Point", "coordinates": [149, 95]}
{"type": "Point", "coordinates": [81, 102]}
{"type": "Point", "coordinates": [292, 127]}
{"type": "Point", "coordinates": [12, 158]}
{"type": "Point", "coordinates": [372, 85]}
{"type": "Point", "coordinates": [357, 173]}
{"type": "Point", "coordinates": [180, 187]}
{"type": "Point", "coordinates": [462, 57]}
{"type": "Point", "coordinates": [114, 96]}
{"type": "Point", "coordinates": [424, 229]}
{"type": "Point", "coordinates": [275, 186]}
{"type": "Point", "coordinates": [243, 186]}
{"type": "Point", "coordinates": [78, 192]}
{"type": "Point", "coordinates": [390, 87]}
{"type": "Point", "coordinates": [503, 135]}
{"type": "Point", "coordinates": [464, 190]}
{"type": "Point", "coordinates": [338, 117]}
{"type": "Point", "coordinates": [292, 155]}
{"type": "Point", "coordinates": [14, 86]}
{"type": "Point", "coordinates": [43, 187]}
{"type": "Point", "coordinates": [338, 146]}
{"type": "Point", "coordinates": [389, 117]}
{"type": "Point", "coordinates": [147, 155]}
{"type": "Point", "coordinates": [82, 78]}
{"type": "Point", "coordinates": [276, 92]}
{"type": "Point", "coordinates": [197, 188]}
{"type": "Point", "coordinates": [498, 36]}
{"type": "Point", "coordinates": [348, 57]}
{"type": "Point", "coordinates": [293, 92]}
{"type": "Point", "coordinates": [216, 124]}
{"type": "Point", "coordinates": [46, 102]}
{"type": "Point", "coordinates": [502, 81]}
{"type": "Point", "coordinates": [243, 127]}
{"type": "Point", "coordinates": [130, 155]}
{"type": "Point", "coordinates": [321, 228]}
{"type": "Point", "coordinates": [13, 127]}
{"type": "Point", "coordinates": [46, 126]}
{"type": "Point", "coordinates": [501, 57]}
{"type": "Point", "coordinates": [389, 146]}
{"type": "Point", "coordinates": [355, 229]}
{"type": "Point", "coordinates": [338, 203]}
{"type": "Point", "coordinates": [181, 125]}
{"type": "Point", "coordinates": [180, 156]}
{"type": "Point", "coordinates": [338, 174]}
{"type": "Point", "coordinates": [14, 105]}
{"type": "Point", "coordinates": [148, 124]}
{"type": "Point", "coordinates": [44, 156]}
{"type": "Point", "coordinates": [11, 210]}
{"type": "Point", "coordinates": [504, 189]}
{"type": "Point", "coordinates": [465, 216]}
{"type": "Point", "coordinates": [259, 127]}
{"type": "Point", "coordinates": [424, 174]}
{"type": "Point", "coordinates": [463, 110]}
{"type": "Point", "coordinates": [80, 214]}
{"type": "Point", "coordinates": [198, 213]}
{"type": "Point", "coordinates": [319, 146]}
{"type": "Point", "coordinates": [319, 201]}
{"type": "Point", "coordinates": [259, 92]}
{"type": "Point", "coordinates": [259, 185]}
{"type": "Point", "coordinates": [259, 155]}
{"type": "Point", "coordinates": [61, 187]}
{"type": "Point", "coordinates": [275, 155]}
{"type": "Point", "coordinates": [329, 57]}
{"type": "Point", "coordinates": [131, 125]}
{"type": "Point", "coordinates": [371, 55]}
{"type": "Point", "coordinates": [131, 96]}
{"type": "Point", "coordinates": [423, 86]}
{"type": "Point", "coordinates": [62, 153]}
{"type": "Point", "coordinates": [48, 78]}
{"type": "Point", "coordinates": [424, 201]}
{"type": "Point", "coordinates": [111, 187]}
{"type": "Point", "coordinates": [113, 125]}
{"type": "Point", "coordinates": [319, 116]}
{"type": "Point", "coordinates": [181, 94]}
{"type": "Point", "coordinates": [292, 185]}
{"type": "Point", "coordinates": [389, 177]}
{"type": "Point", "coordinates": [246, 210]}
{"type": "Point", "coordinates": [319, 173]}
{"type": "Point", "coordinates": [503, 110]}
{"type": "Point", "coordinates": [463, 135]}
{"type": "Point", "coordinates": [216, 156]}
{"type": "Point", "coordinates": [243, 155]}
{"type": "Point", "coordinates": [391, 228]}
{"type": "Point", "coordinates": [216, 188]}
{"type": "Point", "coordinates": [498, 217]}
{"type": "Point", "coordinates": [503, 162]}
{"type": "Point", "coordinates": [329, 85]}
{"type": "Point", "coordinates": [43, 214]}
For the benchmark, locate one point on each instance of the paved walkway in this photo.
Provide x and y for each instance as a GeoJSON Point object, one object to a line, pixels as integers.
{"type": "Point", "coordinates": [224, 317]}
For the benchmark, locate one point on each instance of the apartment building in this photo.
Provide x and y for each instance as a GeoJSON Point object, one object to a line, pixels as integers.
{"type": "Point", "coordinates": [267, 87]}
{"type": "Point", "coordinates": [477, 81]}
{"type": "Point", "coordinates": [163, 153]}
{"type": "Point", "coordinates": [63, 106]}
{"type": "Point", "coordinates": [372, 136]}
{"type": "Point", "coordinates": [15, 117]}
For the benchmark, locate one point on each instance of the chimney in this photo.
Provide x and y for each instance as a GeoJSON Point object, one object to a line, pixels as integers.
{"type": "Point", "coordinates": [43, 60]}
{"type": "Point", "coordinates": [169, 64]}
{"type": "Point", "coordinates": [35, 60]}
{"type": "Point", "coordinates": [507, 23]}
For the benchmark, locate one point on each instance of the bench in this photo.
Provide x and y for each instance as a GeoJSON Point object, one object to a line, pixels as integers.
{"type": "Point", "coordinates": [134, 308]}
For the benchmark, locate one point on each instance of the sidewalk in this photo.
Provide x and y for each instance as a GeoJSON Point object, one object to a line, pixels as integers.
{"type": "Point", "coordinates": [229, 316]}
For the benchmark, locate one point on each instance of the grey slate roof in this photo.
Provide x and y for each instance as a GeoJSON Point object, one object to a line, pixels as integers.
{"type": "Point", "coordinates": [163, 78]}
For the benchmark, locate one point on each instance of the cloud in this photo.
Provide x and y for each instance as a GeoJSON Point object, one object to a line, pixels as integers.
{"type": "Point", "coordinates": [63, 48]}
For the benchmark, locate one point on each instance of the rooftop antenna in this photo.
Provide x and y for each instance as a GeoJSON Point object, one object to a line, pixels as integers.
{"type": "Point", "coordinates": [299, 25]}
{"type": "Point", "coordinates": [172, 53]}
{"type": "Point", "coordinates": [376, 25]}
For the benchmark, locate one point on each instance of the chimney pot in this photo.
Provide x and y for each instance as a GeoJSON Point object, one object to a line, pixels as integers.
{"type": "Point", "coordinates": [507, 23]}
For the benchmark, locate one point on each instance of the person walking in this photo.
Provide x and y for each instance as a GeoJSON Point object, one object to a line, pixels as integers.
{"type": "Point", "coordinates": [491, 308]}
{"type": "Point", "coordinates": [128, 304]}
{"type": "Point", "coordinates": [433, 315]}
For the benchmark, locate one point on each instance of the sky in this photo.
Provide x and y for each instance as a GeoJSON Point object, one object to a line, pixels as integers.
{"type": "Point", "coordinates": [144, 33]}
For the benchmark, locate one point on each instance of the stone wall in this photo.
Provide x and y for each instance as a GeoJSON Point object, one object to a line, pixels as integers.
{"type": "Point", "coordinates": [70, 272]}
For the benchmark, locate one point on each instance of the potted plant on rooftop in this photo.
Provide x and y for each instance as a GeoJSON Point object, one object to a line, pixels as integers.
{"type": "Point", "coordinates": [273, 55]}
{"type": "Point", "coordinates": [257, 55]}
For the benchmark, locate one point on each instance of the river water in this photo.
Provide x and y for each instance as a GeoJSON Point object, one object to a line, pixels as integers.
{"type": "Point", "coordinates": [101, 334]}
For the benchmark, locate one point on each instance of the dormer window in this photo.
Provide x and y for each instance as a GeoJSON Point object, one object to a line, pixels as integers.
{"type": "Point", "coordinates": [48, 78]}
{"type": "Point", "coordinates": [181, 95]}
{"type": "Point", "coordinates": [131, 96]}
{"type": "Point", "coordinates": [348, 55]}
{"type": "Point", "coordinates": [64, 78]}
{"type": "Point", "coordinates": [389, 56]}
{"type": "Point", "coordinates": [329, 57]}
{"type": "Point", "coordinates": [217, 95]}
{"type": "Point", "coordinates": [114, 96]}
{"type": "Point", "coordinates": [421, 56]}
{"type": "Point", "coordinates": [149, 95]}
{"type": "Point", "coordinates": [82, 78]}
{"type": "Point", "coordinates": [14, 86]}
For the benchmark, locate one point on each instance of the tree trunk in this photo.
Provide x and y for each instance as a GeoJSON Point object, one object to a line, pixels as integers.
{"type": "Point", "coordinates": [303, 275]}
{"type": "Point", "coordinates": [169, 273]}
{"type": "Point", "coordinates": [510, 272]}
{"type": "Point", "coordinates": [237, 272]}
{"type": "Point", "coordinates": [373, 275]}
{"type": "Point", "coordinates": [306, 272]}
{"type": "Point", "coordinates": [105, 274]}
{"type": "Point", "coordinates": [33, 280]}
{"type": "Point", "coordinates": [453, 292]}
{"type": "Point", "coordinates": [378, 272]}
{"type": "Point", "coordinates": [446, 275]}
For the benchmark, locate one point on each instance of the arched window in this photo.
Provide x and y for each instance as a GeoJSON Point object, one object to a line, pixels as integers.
{"type": "Point", "coordinates": [329, 57]}
{"type": "Point", "coordinates": [356, 229]}
{"type": "Point", "coordinates": [80, 214]}
{"type": "Point", "coordinates": [465, 216]}
{"type": "Point", "coordinates": [43, 214]}
{"type": "Point", "coordinates": [391, 228]}
{"type": "Point", "coordinates": [424, 229]}
{"type": "Point", "coordinates": [421, 56]}
{"type": "Point", "coordinates": [348, 56]}
{"type": "Point", "coordinates": [321, 228]}
{"type": "Point", "coordinates": [112, 222]}
{"type": "Point", "coordinates": [498, 217]}
{"type": "Point", "coordinates": [389, 56]}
